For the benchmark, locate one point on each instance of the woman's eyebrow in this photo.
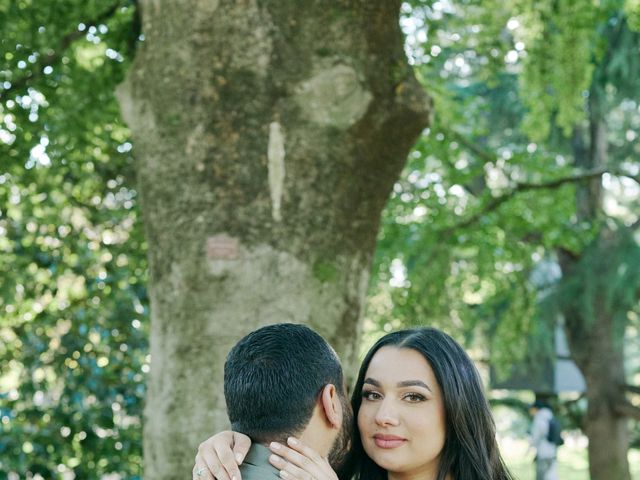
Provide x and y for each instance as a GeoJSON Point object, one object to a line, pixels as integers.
{"type": "Point", "coordinates": [404, 383]}
{"type": "Point", "coordinates": [414, 383]}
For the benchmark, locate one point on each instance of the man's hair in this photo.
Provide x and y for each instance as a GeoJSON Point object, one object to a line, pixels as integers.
{"type": "Point", "coordinates": [273, 378]}
{"type": "Point", "coordinates": [539, 404]}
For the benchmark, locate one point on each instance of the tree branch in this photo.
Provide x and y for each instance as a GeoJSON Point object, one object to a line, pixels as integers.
{"type": "Point", "coordinates": [54, 56]}
{"type": "Point", "coordinates": [495, 202]}
{"type": "Point", "coordinates": [472, 146]}
{"type": "Point", "coordinates": [626, 409]}
{"type": "Point", "coordinates": [489, 157]}
{"type": "Point", "coordinates": [632, 388]}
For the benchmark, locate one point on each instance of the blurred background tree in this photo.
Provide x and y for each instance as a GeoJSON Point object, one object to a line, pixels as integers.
{"type": "Point", "coordinates": [532, 158]}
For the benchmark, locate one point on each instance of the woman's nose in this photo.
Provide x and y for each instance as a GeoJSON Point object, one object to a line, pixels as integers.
{"type": "Point", "coordinates": [386, 416]}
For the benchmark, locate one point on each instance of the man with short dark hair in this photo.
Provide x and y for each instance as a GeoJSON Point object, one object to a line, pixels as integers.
{"type": "Point", "coordinates": [285, 380]}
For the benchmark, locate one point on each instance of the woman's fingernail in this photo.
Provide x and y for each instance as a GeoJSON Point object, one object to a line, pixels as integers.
{"type": "Point", "coordinates": [284, 474]}
{"type": "Point", "coordinates": [275, 459]}
{"type": "Point", "coordinates": [275, 445]}
{"type": "Point", "coordinates": [292, 441]}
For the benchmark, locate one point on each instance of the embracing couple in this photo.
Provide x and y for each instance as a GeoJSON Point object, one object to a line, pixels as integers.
{"type": "Point", "coordinates": [418, 403]}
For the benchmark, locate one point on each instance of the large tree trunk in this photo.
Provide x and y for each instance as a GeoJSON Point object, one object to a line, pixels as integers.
{"type": "Point", "coordinates": [596, 340]}
{"type": "Point", "coordinates": [597, 348]}
{"type": "Point", "coordinates": [606, 429]}
{"type": "Point", "coordinates": [268, 135]}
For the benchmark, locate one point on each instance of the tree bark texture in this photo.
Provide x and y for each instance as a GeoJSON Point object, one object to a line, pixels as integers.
{"type": "Point", "coordinates": [268, 135]}
{"type": "Point", "coordinates": [596, 341]}
{"type": "Point", "coordinates": [597, 348]}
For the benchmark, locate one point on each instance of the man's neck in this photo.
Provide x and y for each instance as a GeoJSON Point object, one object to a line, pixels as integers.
{"type": "Point", "coordinates": [316, 439]}
{"type": "Point", "coordinates": [307, 438]}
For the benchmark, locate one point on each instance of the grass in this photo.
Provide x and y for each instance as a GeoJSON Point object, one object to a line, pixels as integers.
{"type": "Point", "coordinates": [572, 459]}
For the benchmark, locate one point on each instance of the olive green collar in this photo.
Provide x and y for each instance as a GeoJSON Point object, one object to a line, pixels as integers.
{"type": "Point", "coordinates": [256, 463]}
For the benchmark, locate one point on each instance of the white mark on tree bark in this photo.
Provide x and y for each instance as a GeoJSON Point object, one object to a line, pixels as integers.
{"type": "Point", "coordinates": [138, 115]}
{"type": "Point", "coordinates": [275, 155]}
{"type": "Point", "coordinates": [334, 96]}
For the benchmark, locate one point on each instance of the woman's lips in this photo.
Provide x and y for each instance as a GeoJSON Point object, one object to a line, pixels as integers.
{"type": "Point", "coordinates": [388, 441]}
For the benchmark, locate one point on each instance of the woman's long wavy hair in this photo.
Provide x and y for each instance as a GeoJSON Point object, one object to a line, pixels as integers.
{"type": "Point", "coordinates": [470, 451]}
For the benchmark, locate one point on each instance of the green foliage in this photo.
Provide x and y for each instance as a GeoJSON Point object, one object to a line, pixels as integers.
{"type": "Point", "coordinates": [73, 303]}
{"type": "Point", "coordinates": [481, 204]}
{"type": "Point", "coordinates": [608, 270]}
{"type": "Point", "coordinates": [632, 11]}
{"type": "Point", "coordinates": [559, 37]}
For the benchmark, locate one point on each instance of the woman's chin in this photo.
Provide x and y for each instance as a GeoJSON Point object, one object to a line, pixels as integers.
{"type": "Point", "coordinates": [390, 461]}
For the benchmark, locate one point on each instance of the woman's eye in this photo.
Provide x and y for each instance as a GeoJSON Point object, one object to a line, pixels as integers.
{"type": "Point", "coordinates": [414, 397]}
{"type": "Point", "coordinates": [371, 395]}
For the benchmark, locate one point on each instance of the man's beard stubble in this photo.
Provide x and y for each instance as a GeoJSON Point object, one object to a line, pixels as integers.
{"type": "Point", "coordinates": [342, 445]}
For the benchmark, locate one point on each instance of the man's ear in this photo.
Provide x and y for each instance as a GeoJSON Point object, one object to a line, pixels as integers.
{"type": "Point", "coordinates": [331, 406]}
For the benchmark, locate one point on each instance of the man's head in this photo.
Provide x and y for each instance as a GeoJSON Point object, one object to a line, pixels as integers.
{"type": "Point", "coordinates": [283, 380]}
{"type": "Point", "coordinates": [538, 405]}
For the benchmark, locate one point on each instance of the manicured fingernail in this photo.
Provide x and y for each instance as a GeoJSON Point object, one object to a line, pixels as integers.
{"type": "Point", "coordinates": [233, 478]}
{"type": "Point", "coordinates": [239, 459]}
{"type": "Point", "coordinates": [284, 474]}
{"type": "Point", "coordinates": [275, 458]}
{"type": "Point", "coordinates": [275, 445]}
{"type": "Point", "coordinates": [292, 441]}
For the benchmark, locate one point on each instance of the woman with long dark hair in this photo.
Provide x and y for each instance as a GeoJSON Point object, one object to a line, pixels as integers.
{"type": "Point", "coordinates": [421, 414]}
{"type": "Point", "coordinates": [457, 427]}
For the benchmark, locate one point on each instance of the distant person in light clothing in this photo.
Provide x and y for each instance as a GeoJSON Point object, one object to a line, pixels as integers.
{"type": "Point", "coordinates": [546, 451]}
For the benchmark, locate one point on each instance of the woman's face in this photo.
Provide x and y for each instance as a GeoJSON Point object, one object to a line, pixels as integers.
{"type": "Point", "coordinates": [402, 416]}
